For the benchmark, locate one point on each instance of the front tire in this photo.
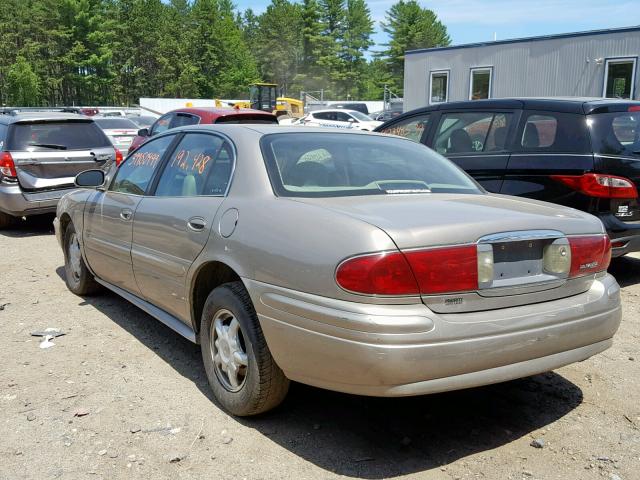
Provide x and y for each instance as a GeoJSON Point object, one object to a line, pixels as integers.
{"type": "Point", "coordinates": [77, 276]}
{"type": "Point", "coordinates": [241, 371]}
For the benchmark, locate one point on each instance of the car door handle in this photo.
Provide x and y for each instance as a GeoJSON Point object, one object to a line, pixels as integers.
{"type": "Point", "coordinates": [126, 214]}
{"type": "Point", "coordinates": [196, 224]}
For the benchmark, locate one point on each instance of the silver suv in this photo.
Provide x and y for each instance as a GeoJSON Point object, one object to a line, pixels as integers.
{"type": "Point", "coordinates": [40, 154]}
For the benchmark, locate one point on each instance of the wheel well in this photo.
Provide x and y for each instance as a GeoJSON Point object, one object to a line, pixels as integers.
{"type": "Point", "coordinates": [65, 220]}
{"type": "Point", "coordinates": [210, 276]}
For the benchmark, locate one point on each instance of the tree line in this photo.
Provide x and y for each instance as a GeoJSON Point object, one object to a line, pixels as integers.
{"type": "Point", "coordinates": [112, 52]}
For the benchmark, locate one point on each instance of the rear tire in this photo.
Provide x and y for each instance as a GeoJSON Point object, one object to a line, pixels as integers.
{"type": "Point", "coordinates": [77, 276]}
{"type": "Point", "coordinates": [241, 371]}
{"type": "Point", "coordinates": [6, 220]}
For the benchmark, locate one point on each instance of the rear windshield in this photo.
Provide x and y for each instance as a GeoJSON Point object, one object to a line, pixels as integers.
{"type": "Point", "coordinates": [615, 133]}
{"type": "Point", "coordinates": [247, 118]}
{"type": "Point", "coordinates": [115, 123]}
{"type": "Point", "coordinates": [315, 164]}
{"type": "Point", "coordinates": [58, 135]}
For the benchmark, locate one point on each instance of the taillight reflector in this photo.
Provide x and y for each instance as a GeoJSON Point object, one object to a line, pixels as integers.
{"type": "Point", "coordinates": [119, 157]}
{"type": "Point", "coordinates": [598, 185]}
{"type": "Point", "coordinates": [446, 269]}
{"type": "Point", "coordinates": [386, 273]}
{"type": "Point", "coordinates": [7, 167]}
{"type": "Point", "coordinates": [589, 254]}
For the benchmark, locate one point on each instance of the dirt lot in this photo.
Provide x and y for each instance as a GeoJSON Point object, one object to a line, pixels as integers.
{"type": "Point", "coordinates": [122, 396]}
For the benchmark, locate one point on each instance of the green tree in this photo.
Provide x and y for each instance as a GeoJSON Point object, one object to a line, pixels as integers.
{"type": "Point", "coordinates": [278, 43]}
{"type": "Point", "coordinates": [354, 42]}
{"type": "Point", "coordinates": [23, 86]}
{"type": "Point", "coordinates": [409, 26]}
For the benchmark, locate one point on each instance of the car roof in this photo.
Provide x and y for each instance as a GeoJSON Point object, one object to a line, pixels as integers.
{"type": "Point", "coordinates": [266, 129]}
{"type": "Point", "coordinates": [16, 117]}
{"type": "Point", "coordinates": [336, 110]}
{"type": "Point", "coordinates": [582, 105]}
{"type": "Point", "coordinates": [215, 112]}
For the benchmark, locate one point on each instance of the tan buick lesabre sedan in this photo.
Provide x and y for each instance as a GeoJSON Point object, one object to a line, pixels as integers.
{"type": "Point", "coordinates": [355, 262]}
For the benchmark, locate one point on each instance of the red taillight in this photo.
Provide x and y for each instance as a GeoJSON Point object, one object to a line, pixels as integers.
{"type": "Point", "coordinates": [431, 271]}
{"type": "Point", "coordinates": [7, 167]}
{"type": "Point", "coordinates": [385, 273]}
{"type": "Point", "coordinates": [119, 157]}
{"type": "Point", "coordinates": [589, 254]}
{"type": "Point", "coordinates": [598, 185]}
{"type": "Point", "coordinates": [447, 269]}
{"type": "Point", "coordinates": [634, 108]}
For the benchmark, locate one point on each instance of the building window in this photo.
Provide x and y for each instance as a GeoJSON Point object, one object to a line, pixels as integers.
{"type": "Point", "coordinates": [439, 88]}
{"type": "Point", "coordinates": [619, 78]}
{"type": "Point", "coordinates": [480, 83]}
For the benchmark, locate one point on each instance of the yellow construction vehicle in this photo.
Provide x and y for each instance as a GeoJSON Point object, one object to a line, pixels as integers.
{"type": "Point", "coordinates": [263, 96]}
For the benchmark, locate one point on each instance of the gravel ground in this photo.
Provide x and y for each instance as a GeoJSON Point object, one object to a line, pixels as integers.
{"type": "Point", "coordinates": [122, 396]}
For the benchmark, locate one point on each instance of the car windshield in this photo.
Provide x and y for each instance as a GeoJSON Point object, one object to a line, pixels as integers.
{"type": "Point", "coordinates": [360, 116]}
{"type": "Point", "coordinates": [318, 164]}
{"type": "Point", "coordinates": [119, 123]}
{"type": "Point", "coordinates": [615, 133]}
{"type": "Point", "coordinates": [56, 135]}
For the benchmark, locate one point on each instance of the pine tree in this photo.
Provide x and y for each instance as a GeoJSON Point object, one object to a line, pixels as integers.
{"type": "Point", "coordinates": [23, 86]}
{"type": "Point", "coordinates": [354, 42]}
{"type": "Point", "coordinates": [409, 26]}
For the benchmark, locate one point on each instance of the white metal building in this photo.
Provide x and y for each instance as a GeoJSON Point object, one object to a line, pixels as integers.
{"type": "Point", "coordinates": [599, 63]}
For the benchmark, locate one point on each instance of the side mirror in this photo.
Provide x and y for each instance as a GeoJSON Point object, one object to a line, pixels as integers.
{"type": "Point", "coordinates": [90, 179]}
{"type": "Point", "coordinates": [351, 120]}
{"type": "Point", "coordinates": [143, 132]}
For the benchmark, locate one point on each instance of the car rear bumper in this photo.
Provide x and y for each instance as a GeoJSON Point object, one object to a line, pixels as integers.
{"type": "Point", "coordinates": [18, 203]}
{"type": "Point", "coordinates": [399, 350]}
{"type": "Point", "coordinates": [625, 236]}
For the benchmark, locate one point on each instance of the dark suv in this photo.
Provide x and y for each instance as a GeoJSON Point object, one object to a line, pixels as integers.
{"type": "Point", "coordinates": [583, 153]}
{"type": "Point", "coordinates": [40, 155]}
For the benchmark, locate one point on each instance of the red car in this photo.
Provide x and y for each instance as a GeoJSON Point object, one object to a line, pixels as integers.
{"type": "Point", "coordinates": [204, 115]}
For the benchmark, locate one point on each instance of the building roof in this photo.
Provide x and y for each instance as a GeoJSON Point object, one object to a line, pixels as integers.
{"type": "Point", "coordinates": [528, 39]}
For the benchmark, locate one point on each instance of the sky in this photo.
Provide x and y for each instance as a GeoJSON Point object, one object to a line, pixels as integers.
{"type": "Point", "coordinates": [470, 21]}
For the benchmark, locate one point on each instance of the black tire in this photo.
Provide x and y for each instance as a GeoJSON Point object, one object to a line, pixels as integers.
{"type": "Point", "coordinates": [79, 280]}
{"type": "Point", "coordinates": [264, 385]}
{"type": "Point", "coordinates": [6, 220]}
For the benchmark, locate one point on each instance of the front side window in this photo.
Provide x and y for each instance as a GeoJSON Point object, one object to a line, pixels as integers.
{"type": "Point", "coordinates": [411, 128]}
{"type": "Point", "coordinates": [439, 90]}
{"type": "Point", "coordinates": [553, 132]}
{"type": "Point", "coordinates": [344, 117]}
{"type": "Point", "coordinates": [472, 132]}
{"type": "Point", "coordinates": [162, 124]}
{"type": "Point", "coordinates": [619, 78]}
{"type": "Point", "coordinates": [200, 165]}
{"type": "Point", "coordinates": [134, 175]}
{"type": "Point", "coordinates": [480, 83]}
{"type": "Point", "coordinates": [615, 133]}
{"type": "Point", "coordinates": [335, 165]}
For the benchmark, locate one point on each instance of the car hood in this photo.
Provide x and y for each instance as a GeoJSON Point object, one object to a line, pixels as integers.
{"type": "Point", "coordinates": [423, 220]}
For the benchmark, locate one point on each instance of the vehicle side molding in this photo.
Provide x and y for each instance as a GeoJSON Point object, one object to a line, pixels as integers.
{"type": "Point", "coordinates": [169, 320]}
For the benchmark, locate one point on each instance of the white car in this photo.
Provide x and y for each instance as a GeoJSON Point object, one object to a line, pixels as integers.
{"type": "Point", "coordinates": [339, 118]}
{"type": "Point", "coordinates": [121, 131]}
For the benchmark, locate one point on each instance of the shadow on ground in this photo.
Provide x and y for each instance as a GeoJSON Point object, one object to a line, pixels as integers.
{"type": "Point", "coordinates": [367, 437]}
{"type": "Point", "coordinates": [31, 227]}
{"type": "Point", "coordinates": [626, 270]}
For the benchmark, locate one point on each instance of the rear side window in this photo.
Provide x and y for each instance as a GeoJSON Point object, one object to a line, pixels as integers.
{"type": "Point", "coordinates": [136, 172]}
{"type": "Point", "coordinates": [411, 128]}
{"type": "Point", "coordinates": [199, 165]}
{"type": "Point", "coordinates": [472, 132]}
{"type": "Point", "coordinates": [183, 120]}
{"type": "Point", "coordinates": [615, 133]}
{"type": "Point", "coordinates": [553, 132]}
{"type": "Point", "coordinates": [59, 135]}
{"type": "Point", "coordinates": [3, 135]}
